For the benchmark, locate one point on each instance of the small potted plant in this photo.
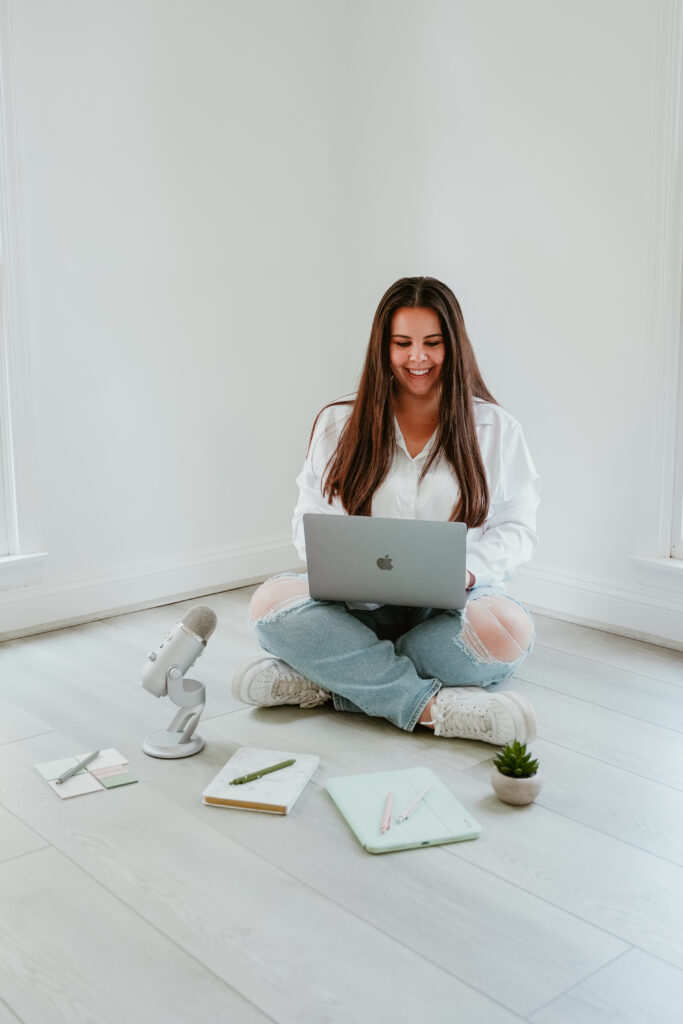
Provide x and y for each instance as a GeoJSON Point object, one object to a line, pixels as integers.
{"type": "Point", "coordinates": [515, 776]}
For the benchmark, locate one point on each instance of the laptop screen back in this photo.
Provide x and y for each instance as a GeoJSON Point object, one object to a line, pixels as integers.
{"type": "Point", "coordinates": [412, 562]}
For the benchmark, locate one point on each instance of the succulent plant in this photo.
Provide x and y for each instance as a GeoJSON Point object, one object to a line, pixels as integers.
{"type": "Point", "coordinates": [513, 760]}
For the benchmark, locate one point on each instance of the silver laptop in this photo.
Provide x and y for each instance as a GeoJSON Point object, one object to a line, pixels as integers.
{"type": "Point", "coordinates": [410, 562]}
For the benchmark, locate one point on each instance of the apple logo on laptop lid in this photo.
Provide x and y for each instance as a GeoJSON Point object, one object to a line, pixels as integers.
{"type": "Point", "coordinates": [385, 563]}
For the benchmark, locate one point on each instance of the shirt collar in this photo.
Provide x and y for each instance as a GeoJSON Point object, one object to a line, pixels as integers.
{"type": "Point", "coordinates": [401, 444]}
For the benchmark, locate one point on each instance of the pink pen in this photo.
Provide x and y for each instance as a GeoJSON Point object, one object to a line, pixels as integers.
{"type": "Point", "coordinates": [409, 810]}
{"type": "Point", "coordinates": [386, 817]}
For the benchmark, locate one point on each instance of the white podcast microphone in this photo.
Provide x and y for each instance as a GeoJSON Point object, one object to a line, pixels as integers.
{"type": "Point", "coordinates": [179, 649]}
{"type": "Point", "coordinates": [164, 675]}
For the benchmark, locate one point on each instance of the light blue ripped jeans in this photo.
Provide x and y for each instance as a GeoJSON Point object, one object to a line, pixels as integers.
{"type": "Point", "coordinates": [389, 662]}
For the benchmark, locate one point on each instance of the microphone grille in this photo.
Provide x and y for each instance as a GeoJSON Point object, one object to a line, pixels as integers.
{"type": "Point", "coordinates": [200, 620]}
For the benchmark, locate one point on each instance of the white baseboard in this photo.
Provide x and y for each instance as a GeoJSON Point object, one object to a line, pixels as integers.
{"type": "Point", "coordinates": [648, 613]}
{"type": "Point", "coordinates": [37, 609]}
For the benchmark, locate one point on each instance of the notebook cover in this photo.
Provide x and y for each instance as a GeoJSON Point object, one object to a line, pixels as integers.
{"type": "Point", "coordinates": [275, 793]}
{"type": "Point", "coordinates": [438, 818]}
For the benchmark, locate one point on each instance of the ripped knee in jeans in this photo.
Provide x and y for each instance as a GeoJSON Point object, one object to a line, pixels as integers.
{"type": "Point", "coordinates": [496, 629]}
{"type": "Point", "coordinates": [277, 595]}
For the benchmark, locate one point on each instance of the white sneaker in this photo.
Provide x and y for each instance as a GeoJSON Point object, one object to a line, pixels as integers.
{"type": "Point", "coordinates": [491, 718]}
{"type": "Point", "coordinates": [268, 681]}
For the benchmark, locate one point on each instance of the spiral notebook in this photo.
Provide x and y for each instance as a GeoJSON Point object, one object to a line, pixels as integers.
{"type": "Point", "coordinates": [275, 793]}
{"type": "Point", "coordinates": [438, 818]}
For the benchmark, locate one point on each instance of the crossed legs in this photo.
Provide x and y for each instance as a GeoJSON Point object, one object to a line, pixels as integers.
{"type": "Point", "coordinates": [474, 648]}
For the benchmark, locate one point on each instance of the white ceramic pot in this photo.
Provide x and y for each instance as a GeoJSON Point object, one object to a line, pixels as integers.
{"type": "Point", "coordinates": [516, 791]}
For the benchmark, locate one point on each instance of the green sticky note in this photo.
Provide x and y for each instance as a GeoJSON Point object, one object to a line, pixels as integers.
{"type": "Point", "coordinates": [124, 779]}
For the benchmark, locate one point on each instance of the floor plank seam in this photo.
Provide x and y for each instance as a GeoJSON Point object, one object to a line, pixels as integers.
{"type": "Point", "coordinates": [30, 828]}
{"type": "Point", "coordinates": [577, 984]}
{"type": "Point", "coordinates": [596, 704]}
{"type": "Point", "coordinates": [610, 835]}
{"type": "Point", "coordinates": [22, 739]}
{"type": "Point", "coordinates": [544, 899]}
{"type": "Point", "coordinates": [568, 692]}
{"type": "Point", "coordinates": [3, 1002]}
{"type": "Point", "coordinates": [623, 670]}
{"type": "Point", "coordinates": [611, 764]}
{"type": "Point", "coordinates": [151, 924]}
{"type": "Point", "coordinates": [26, 853]}
{"type": "Point", "coordinates": [219, 714]}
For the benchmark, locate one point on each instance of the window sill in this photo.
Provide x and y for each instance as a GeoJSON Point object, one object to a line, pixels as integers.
{"type": "Point", "coordinates": [21, 570]}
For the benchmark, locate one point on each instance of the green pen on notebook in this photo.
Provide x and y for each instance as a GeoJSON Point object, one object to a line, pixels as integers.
{"type": "Point", "coordinates": [262, 771]}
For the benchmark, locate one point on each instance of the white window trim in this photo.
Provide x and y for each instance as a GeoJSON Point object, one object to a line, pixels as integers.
{"type": "Point", "coordinates": [677, 512]}
{"type": "Point", "coordinates": [23, 565]}
{"type": "Point", "coordinates": [676, 533]}
{"type": "Point", "coordinates": [661, 561]}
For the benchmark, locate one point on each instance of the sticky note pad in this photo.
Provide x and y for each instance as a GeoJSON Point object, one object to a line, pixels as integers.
{"type": "Point", "coordinates": [53, 769]}
{"type": "Point", "coordinates": [105, 759]}
{"type": "Point", "coordinates": [108, 770]}
{"type": "Point", "coordinates": [120, 779]}
{"type": "Point", "coordinates": [77, 785]}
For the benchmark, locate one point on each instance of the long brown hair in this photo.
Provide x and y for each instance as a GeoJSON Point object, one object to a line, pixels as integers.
{"type": "Point", "coordinates": [367, 442]}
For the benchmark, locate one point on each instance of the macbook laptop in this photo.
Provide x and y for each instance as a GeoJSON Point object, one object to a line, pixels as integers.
{"type": "Point", "coordinates": [413, 562]}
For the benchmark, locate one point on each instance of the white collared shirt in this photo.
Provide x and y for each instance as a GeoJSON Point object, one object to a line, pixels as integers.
{"type": "Point", "coordinates": [495, 550]}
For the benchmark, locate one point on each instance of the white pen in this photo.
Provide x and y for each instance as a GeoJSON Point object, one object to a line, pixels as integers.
{"type": "Point", "coordinates": [76, 768]}
{"type": "Point", "coordinates": [409, 810]}
{"type": "Point", "coordinates": [386, 817]}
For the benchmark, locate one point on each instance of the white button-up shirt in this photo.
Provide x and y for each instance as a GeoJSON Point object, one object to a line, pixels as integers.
{"type": "Point", "coordinates": [497, 548]}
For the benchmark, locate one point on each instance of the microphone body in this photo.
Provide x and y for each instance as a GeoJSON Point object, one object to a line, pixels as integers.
{"type": "Point", "coordinates": [179, 650]}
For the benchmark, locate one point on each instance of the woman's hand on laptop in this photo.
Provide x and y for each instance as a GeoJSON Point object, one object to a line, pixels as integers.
{"type": "Point", "coordinates": [470, 579]}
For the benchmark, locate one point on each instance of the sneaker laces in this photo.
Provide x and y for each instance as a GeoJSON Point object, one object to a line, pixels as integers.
{"type": "Point", "coordinates": [307, 693]}
{"type": "Point", "coordinates": [463, 716]}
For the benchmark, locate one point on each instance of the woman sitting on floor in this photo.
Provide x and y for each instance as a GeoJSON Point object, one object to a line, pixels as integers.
{"type": "Point", "coordinates": [423, 438]}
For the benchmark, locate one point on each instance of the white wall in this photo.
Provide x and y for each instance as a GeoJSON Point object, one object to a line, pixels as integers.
{"type": "Point", "coordinates": [215, 196]}
{"type": "Point", "coordinates": [183, 234]}
{"type": "Point", "coordinates": [518, 151]}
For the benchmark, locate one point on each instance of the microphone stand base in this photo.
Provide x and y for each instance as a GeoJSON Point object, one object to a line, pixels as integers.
{"type": "Point", "coordinates": [168, 744]}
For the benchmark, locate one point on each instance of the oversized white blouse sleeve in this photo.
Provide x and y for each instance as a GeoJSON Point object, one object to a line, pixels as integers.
{"type": "Point", "coordinates": [507, 539]}
{"type": "Point", "coordinates": [323, 443]}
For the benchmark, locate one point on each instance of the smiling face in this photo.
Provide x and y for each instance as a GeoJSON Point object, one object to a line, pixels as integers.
{"type": "Point", "coordinates": [416, 351]}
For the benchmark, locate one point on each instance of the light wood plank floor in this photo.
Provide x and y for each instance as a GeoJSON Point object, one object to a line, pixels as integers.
{"type": "Point", "coordinates": [140, 904]}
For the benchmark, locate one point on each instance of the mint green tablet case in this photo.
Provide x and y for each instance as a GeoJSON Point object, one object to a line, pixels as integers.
{"type": "Point", "coordinates": [438, 818]}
